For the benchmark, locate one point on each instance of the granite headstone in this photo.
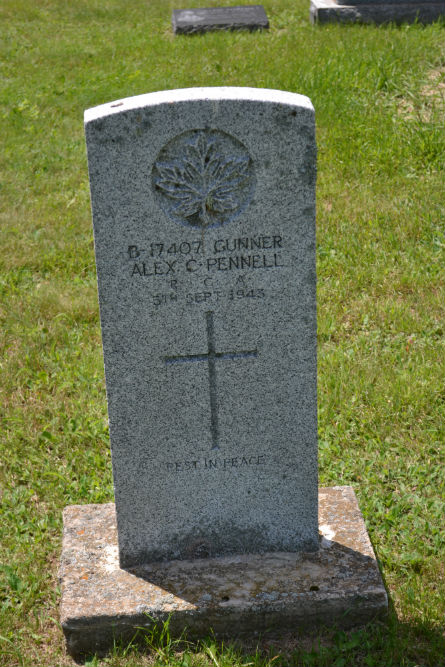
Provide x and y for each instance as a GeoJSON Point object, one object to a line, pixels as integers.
{"type": "Point", "coordinates": [204, 223]}
{"type": "Point", "coordinates": [203, 207]}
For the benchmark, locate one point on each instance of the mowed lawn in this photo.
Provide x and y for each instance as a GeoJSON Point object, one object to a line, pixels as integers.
{"type": "Point", "coordinates": [378, 93]}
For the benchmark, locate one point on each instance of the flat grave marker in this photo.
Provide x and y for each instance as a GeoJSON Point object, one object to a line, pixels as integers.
{"type": "Point", "coordinates": [206, 19]}
{"type": "Point", "coordinates": [376, 11]}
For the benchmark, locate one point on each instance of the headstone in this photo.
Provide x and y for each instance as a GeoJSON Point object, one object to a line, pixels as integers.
{"type": "Point", "coordinates": [244, 17]}
{"type": "Point", "coordinates": [376, 11]}
{"type": "Point", "coordinates": [204, 221]}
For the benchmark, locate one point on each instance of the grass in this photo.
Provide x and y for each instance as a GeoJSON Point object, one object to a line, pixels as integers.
{"type": "Point", "coordinates": [379, 99]}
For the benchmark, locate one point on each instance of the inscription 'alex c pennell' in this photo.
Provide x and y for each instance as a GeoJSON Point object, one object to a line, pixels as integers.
{"type": "Point", "coordinates": [203, 178]}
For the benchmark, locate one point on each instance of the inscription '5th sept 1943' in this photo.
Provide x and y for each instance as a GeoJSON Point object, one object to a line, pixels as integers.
{"type": "Point", "coordinates": [243, 253]}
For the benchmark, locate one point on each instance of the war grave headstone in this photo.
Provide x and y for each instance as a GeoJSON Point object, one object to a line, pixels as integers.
{"type": "Point", "coordinates": [205, 19]}
{"type": "Point", "coordinates": [203, 205]}
{"type": "Point", "coordinates": [376, 11]}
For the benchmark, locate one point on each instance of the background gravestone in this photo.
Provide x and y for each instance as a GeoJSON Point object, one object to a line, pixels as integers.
{"type": "Point", "coordinates": [204, 220]}
{"type": "Point", "coordinates": [200, 19]}
{"type": "Point", "coordinates": [376, 11]}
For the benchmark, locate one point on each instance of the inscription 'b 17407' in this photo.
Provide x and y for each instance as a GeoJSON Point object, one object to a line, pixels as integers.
{"type": "Point", "coordinates": [211, 357]}
{"type": "Point", "coordinates": [203, 178]}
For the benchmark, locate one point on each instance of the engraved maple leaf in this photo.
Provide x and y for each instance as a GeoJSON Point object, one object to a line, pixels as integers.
{"type": "Point", "coordinates": [204, 182]}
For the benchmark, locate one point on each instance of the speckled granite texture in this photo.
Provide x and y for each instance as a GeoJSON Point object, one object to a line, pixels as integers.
{"type": "Point", "coordinates": [376, 11]}
{"type": "Point", "coordinates": [235, 596]}
{"type": "Point", "coordinates": [203, 207]}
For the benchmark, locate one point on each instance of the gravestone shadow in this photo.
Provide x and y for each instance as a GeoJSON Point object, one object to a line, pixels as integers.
{"type": "Point", "coordinates": [230, 580]}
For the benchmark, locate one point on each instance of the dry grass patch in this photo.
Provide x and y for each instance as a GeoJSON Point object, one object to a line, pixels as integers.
{"type": "Point", "coordinates": [427, 101]}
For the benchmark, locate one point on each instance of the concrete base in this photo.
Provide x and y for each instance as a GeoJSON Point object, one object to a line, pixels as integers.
{"type": "Point", "coordinates": [328, 11]}
{"type": "Point", "coordinates": [250, 595]}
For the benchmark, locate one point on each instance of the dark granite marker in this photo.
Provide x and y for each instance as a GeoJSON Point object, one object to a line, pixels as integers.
{"type": "Point", "coordinates": [248, 17]}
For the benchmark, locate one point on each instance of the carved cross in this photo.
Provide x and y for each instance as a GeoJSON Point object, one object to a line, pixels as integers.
{"type": "Point", "coordinates": [211, 357]}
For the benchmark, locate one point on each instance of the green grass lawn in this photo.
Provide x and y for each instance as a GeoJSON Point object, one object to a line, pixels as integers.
{"type": "Point", "coordinates": [379, 99]}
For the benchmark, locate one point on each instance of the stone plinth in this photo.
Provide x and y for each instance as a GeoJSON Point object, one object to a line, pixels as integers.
{"type": "Point", "coordinates": [233, 596]}
{"type": "Point", "coordinates": [377, 11]}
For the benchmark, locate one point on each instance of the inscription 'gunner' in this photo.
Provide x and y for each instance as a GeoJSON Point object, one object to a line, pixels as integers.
{"type": "Point", "coordinates": [248, 243]}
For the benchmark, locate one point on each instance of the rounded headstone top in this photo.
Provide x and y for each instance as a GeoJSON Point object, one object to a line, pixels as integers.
{"type": "Point", "coordinates": [216, 94]}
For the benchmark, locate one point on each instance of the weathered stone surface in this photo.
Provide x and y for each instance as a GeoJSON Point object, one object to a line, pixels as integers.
{"type": "Point", "coordinates": [248, 595]}
{"type": "Point", "coordinates": [244, 17]}
{"type": "Point", "coordinates": [377, 11]}
{"type": "Point", "coordinates": [204, 220]}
